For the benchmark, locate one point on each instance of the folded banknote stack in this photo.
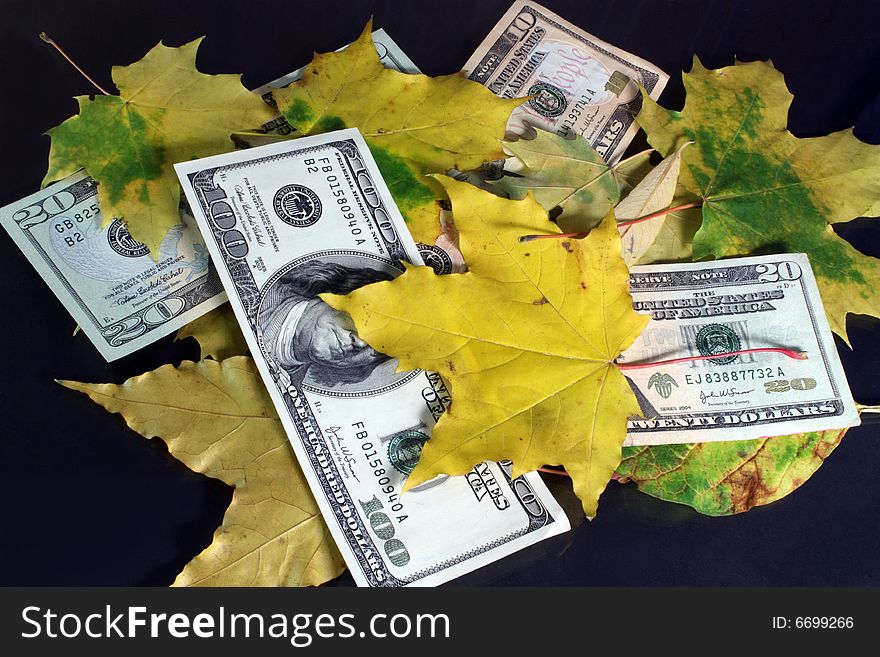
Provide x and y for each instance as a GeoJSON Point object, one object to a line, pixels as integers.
{"type": "Point", "coordinates": [272, 225]}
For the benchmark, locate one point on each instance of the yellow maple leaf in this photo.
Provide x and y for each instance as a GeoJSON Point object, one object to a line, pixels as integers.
{"type": "Point", "coordinates": [667, 238]}
{"type": "Point", "coordinates": [437, 123]}
{"type": "Point", "coordinates": [167, 112]}
{"type": "Point", "coordinates": [218, 334]}
{"type": "Point", "coordinates": [218, 419]}
{"type": "Point", "coordinates": [527, 340]}
{"type": "Point", "coordinates": [414, 124]}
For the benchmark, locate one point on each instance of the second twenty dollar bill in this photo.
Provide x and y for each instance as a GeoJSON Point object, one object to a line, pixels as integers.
{"type": "Point", "coordinates": [579, 84]}
{"type": "Point", "coordinates": [285, 223]}
{"type": "Point", "coordinates": [711, 308]}
{"type": "Point", "coordinates": [121, 297]}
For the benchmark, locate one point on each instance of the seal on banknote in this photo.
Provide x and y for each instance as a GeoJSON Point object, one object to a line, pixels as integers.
{"type": "Point", "coordinates": [297, 205]}
{"type": "Point", "coordinates": [404, 449]}
{"type": "Point", "coordinates": [715, 339]}
{"type": "Point", "coordinates": [548, 100]}
{"type": "Point", "coordinates": [436, 258]}
{"type": "Point", "coordinates": [123, 243]}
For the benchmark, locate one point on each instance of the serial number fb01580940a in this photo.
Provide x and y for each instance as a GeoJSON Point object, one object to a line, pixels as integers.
{"type": "Point", "coordinates": [706, 309]}
{"type": "Point", "coordinates": [285, 223]}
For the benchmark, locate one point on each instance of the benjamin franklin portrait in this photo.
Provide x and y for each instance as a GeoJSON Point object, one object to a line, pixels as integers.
{"type": "Point", "coordinates": [317, 345]}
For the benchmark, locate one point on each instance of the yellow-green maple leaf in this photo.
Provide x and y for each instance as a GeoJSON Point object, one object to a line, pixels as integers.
{"type": "Point", "coordinates": [571, 175]}
{"type": "Point", "coordinates": [723, 478]}
{"type": "Point", "coordinates": [436, 123]}
{"type": "Point", "coordinates": [218, 334]}
{"type": "Point", "coordinates": [166, 112]}
{"type": "Point", "coordinates": [526, 339]}
{"type": "Point", "coordinates": [413, 123]}
{"type": "Point", "coordinates": [417, 197]}
{"type": "Point", "coordinates": [218, 419]}
{"type": "Point", "coordinates": [765, 190]}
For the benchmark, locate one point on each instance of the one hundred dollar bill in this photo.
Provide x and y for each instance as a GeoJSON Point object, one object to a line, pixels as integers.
{"type": "Point", "coordinates": [285, 223]}
{"type": "Point", "coordinates": [580, 84]}
{"type": "Point", "coordinates": [122, 299]}
{"type": "Point", "coordinates": [710, 308]}
{"type": "Point", "coordinates": [443, 256]}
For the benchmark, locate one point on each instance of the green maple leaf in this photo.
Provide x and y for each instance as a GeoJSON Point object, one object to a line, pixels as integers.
{"type": "Point", "coordinates": [765, 190]}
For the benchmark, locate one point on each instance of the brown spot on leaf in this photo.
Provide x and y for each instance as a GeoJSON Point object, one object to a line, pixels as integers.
{"type": "Point", "coordinates": [583, 285]}
{"type": "Point", "coordinates": [566, 246]}
{"type": "Point", "coordinates": [823, 448]}
{"type": "Point", "coordinates": [540, 302]}
{"type": "Point", "coordinates": [747, 487]}
{"type": "Point", "coordinates": [451, 366]}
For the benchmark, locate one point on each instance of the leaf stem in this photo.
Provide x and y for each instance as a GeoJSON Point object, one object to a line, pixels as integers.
{"type": "Point", "coordinates": [620, 224]}
{"type": "Point", "coordinates": [45, 37]}
{"type": "Point", "coordinates": [654, 215]}
{"type": "Point", "coordinates": [791, 353]}
{"type": "Point", "coordinates": [561, 473]}
{"type": "Point", "coordinates": [553, 236]}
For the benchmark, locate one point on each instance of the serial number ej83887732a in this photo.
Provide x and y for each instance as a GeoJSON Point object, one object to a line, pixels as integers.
{"type": "Point", "coordinates": [729, 376]}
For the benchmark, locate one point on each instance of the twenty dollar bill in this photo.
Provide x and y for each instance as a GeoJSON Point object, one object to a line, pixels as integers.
{"type": "Point", "coordinates": [579, 84]}
{"type": "Point", "coordinates": [122, 299]}
{"type": "Point", "coordinates": [710, 308]}
{"type": "Point", "coordinates": [285, 223]}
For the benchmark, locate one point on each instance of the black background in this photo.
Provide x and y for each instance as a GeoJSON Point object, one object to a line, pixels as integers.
{"type": "Point", "coordinates": [88, 502]}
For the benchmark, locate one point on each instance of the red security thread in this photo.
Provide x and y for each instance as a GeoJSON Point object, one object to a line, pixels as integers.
{"type": "Point", "coordinates": [790, 353]}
